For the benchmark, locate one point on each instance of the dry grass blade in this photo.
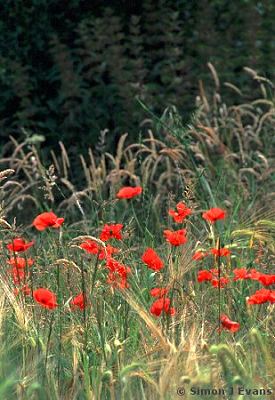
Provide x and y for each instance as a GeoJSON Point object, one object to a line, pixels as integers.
{"type": "Point", "coordinates": [119, 151]}
{"type": "Point", "coordinates": [65, 160]}
{"type": "Point", "coordinates": [250, 71]}
{"type": "Point", "coordinates": [203, 97]}
{"type": "Point", "coordinates": [165, 344]}
{"type": "Point", "coordinates": [18, 148]}
{"type": "Point", "coordinates": [86, 171]}
{"type": "Point", "coordinates": [6, 173]}
{"type": "Point", "coordinates": [56, 163]}
{"type": "Point", "coordinates": [67, 263]}
{"type": "Point", "coordinates": [88, 237]}
{"type": "Point", "coordinates": [214, 74]}
{"type": "Point", "coordinates": [233, 87]}
{"type": "Point", "coordinates": [22, 198]}
{"type": "Point", "coordinates": [21, 314]}
{"type": "Point", "coordinates": [4, 223]}
{"type": "Point", "coordinates": [182, 362]}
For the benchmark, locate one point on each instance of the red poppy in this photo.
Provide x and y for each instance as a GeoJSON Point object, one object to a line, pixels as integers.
{"type": "Point", "coordinates": [158, 292]}
{"type": "Point", "coordinates": [46, 220]}
{"type": "Point", "coordinates": [78, 301]}
{"type": "Point", "coordinates": [128, 192]}
{"type": "Point", "coordinates": [90, 246]}
{"type": "Point", "coordinates": [176, 238]}
{"type": "Point", "coordinates": [25, 290]}
{"type": "Point", "coordinates": [18, 275]}
{"type": "Point", "coordinates": [107, 252]}
{"type": "Point", "coordinates": [199, 255]}
{"type": "Point", "coordinates": [240, 273]}
{"type": "Point", "coordinates": [232, 326]}
{"type": "Point", "coordinates": [162, 305]}
{"type": "Point", "coordinates": [117, 281]}
{"type": "Point", "coordinates": [220, 283]}
{"type": "Point", "coordinates": [118, 274]}
{"type": "Point", "coordinates": [182, 212]}
{"type": "Point", "coordinates": [112, 231]}
{"type": "Point", "coordinates": [152, 260]}
{"type": "Point", "coordinates": [223, 252]}
{"type": "Point", "coordinates": [267, 280]}
{"type": "Point", "coordinates": [20, 262]}
{"type": "Point", "coordinates": [214, 214]}
{"type": "Point", "coordinates": [272, 296]}
{"type": "Point", "coordinates": [260, 296]}
{"type": "Point", "coordinates": [254, 274]}
{"type": "Point", "coordinates": [115, 266]}
{"type": "Point", "coordinates": [19, 245]}
{"type": "Point", "coordinates": [45, 298]}
{"type": "Point", "coordinates": [204, 275]}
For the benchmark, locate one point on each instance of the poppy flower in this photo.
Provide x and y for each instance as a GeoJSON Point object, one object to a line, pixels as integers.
{"type": "Point", "coordinates": [107, 252]}
{"type": "Point", "coordinates": [118, 274]}
{"type": "Point", "coordinates": [18, 275]}
{"type": "Point", "coordinates": [90, 246]}
{"type": "Point", "coordinates": [152, 260]}
{"type": "Point", "coordinates": [271, 297]}
{"type": "Point", "coordinates": [259, 297]}
{"type": "Point", "coordinates": [199, 255]}
{"type": "Point", "coordinates": [112, 231]}
{"type": "Point", "coordinates": [240, 273]}
{"type": "Point", "coordinates": [182, 212]}
{"type": "Point", "coordinates": [115, 266]}
{"type": "Point", "coordinates": [175, 238]}
{"type": "Point", "coordinates": [214, 214]}
{"type": "Point", "coordinates": [231, 326]}
{"type": "Point", "coordinates": [117, 281]}
{"type": "Point", "coordinates": [20, 262]}
{"type": "Point", "coordinates": [45, 298]}
{"type": "Point", "coordinates": [223, 252]}
{"type": "Point", "coordinates": [78, 301]}
{"type": "Point", "coordinates": [19, 245]}
{"type": "Point", "coordinates": [47, 220]}
{"type": "Point", "coordinates": [162, 305]}
{"type": "Point", "coordinates": [254, 274]}
{"type": "Point", "coordinates": [158, 292]}
{"type": "Point", "coordinates": [204, 275]}
{"type": "Point", "coordinates": [266, 279]}
{"type": "Point", "coordinates": [220, 283]}
{"type": "Point", "coordinates": [128, 192]}
{"type": "Point", "coordinates": [26, 290]}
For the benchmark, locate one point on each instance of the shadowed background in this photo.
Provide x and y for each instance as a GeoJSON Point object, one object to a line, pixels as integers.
{"type": "Point", "coordinates": [70, 70]}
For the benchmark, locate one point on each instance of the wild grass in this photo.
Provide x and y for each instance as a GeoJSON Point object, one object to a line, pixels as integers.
{"type": "Point", "coordinates": [115, 348]}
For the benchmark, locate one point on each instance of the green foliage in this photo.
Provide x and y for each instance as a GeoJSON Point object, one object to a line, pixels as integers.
{"type": "Point", "coordinates": [72, 72]}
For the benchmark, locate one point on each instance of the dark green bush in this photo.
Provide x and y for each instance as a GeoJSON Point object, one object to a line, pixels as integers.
{"type": "Point", "coordinates": [69, 72]}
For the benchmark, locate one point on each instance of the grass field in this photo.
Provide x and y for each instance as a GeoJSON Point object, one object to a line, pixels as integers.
{"type": "Point", "coordinates": [78, 317]}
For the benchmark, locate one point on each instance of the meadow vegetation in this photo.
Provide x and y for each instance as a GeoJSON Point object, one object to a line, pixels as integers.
{"type": "Point", "coordinates": [79, 318]}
